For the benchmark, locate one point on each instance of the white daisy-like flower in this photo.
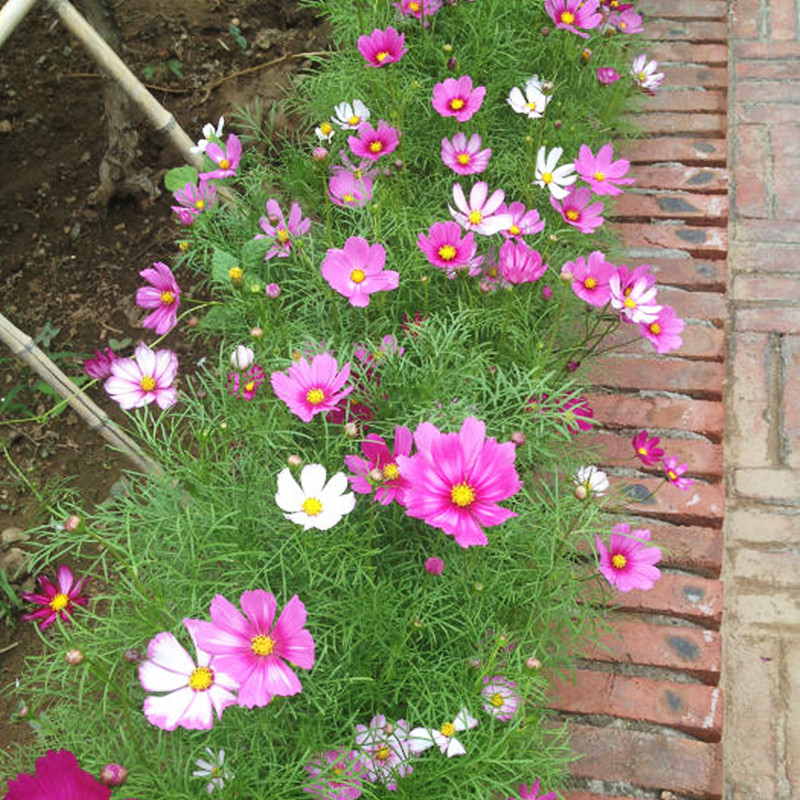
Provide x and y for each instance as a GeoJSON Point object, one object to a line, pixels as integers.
{"type": "Point", "coordinates": [533, 102]}
{"type": "Point", "coordinates": [209, 132]}
{"type": "Point", "coordinates": [314, 503]}
{"type": "Point", "coordinates": [595, 481]}
{"type": "Point", "coordinates": [552, 177]}
{"type": "Point", "coordinates": [213, 769]}
{"type": "Point", "coordinates": [644, 73]}
{"type": "Point", "coordinates": [349, 116]}
{"type": "Point", "coordinates": [420, 739]}
{"type": "Point", "coordinates": [479, 214]}
{"type": "Point", "coordinates": [324, 132]}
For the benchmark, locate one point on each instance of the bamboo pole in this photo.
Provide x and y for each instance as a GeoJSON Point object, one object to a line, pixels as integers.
{"type": "Point", "coordinates": [22, 346]}
{"type": "Point", "coordinates": [11, 14]}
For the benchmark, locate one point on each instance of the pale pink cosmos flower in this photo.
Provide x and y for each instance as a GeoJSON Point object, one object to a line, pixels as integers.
{"type": "Point", "coordinates": [364, 169]}
{"type": "Point", "coordinates": [163, 295]}
{"type": "Point", "coordinates": [627, 563]}
{"type": "Point", "coordinates": [377, 457]}
{"type": "Point", "coordinates": [465, 157]}
{"type": "Point", "coordinates": [195, 199]}
{"type": "Point", "coordinates": [344, 189]}
{"type": "Point", "coordinates": [524, 222]}
{"type": "Point", "coordinates": [338, 775]}
{"type": "Point", "coordinates": [590, 278]}
{"type": "Point", "coordinates": [481, 213]}
{"type": "Point", "coordinates": [310, 389]}
{"type": "Point", "coordinates": [665, 332]}
{"type": "Point", "coordinates": [578, 210]}
{"type": "Point", "coordinates": [674, 472]}
{"type": "Point", "coordinates": [600, 171]}
{"type": "Point", "coordinates": [456, 480]}
{"type": "Point", "coordinates": [56, 601]}
{"type": "Point", "coordinates": [100, 366]}
{"type": "Point", "coordinates": [358, 271]}
{"type": "Point", "coordinates": [645, 75]}
{"type": "Point", "coordinates": [532, 793]}
{"type": "Point", "coordinates": [646, 448]}
{"type": "Point", "coordinates": [194, 691]}
{"type": "Point", "coordinates": [626, 21]}
{"type": "Point", "coordinates": [455, 97]}
{"type": "Point", "coordinates": [572, 15]}
{"type": "Point", "coordinates": [607, 75]}
{"type": "Point", "coordinates": [382, 47]}
{"type": "Point", "coordinates": [444, 248]}
{"type": "Point", "coordinates": [500, 697]}
{"type": "Point", "coordinates": [420, 739]}
{"type": "Point", "coordinates": [636, 302]}
{"type": "Point", "coordinates": [372, 143]}
{"type": "Point", "coordinates": [227, 159]}
{"type": "Point", "coordinates": [418, 8]}
{"type": "Point", "coordinates": [280, 231]}
{"type": "Point", "coordinates": [254, 649]}
{"type": "Point", "coordinates": [518, 263]}
{"type": "Point", "coordinates": [145, 378]}
{"type": "Point", "coordinates": [384, 750]}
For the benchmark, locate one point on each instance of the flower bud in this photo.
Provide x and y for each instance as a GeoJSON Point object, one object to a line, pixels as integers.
{"type": "Point", "coordinates": [485, 287]}
{"type": "Point", "coordinates": [533, 663]}
{"type": "Point", "coordinates": [547, 87]}
{"type": "Point", "coordinates": [517, 438]}
{"type": "Point", "coordinates": [386, 172]}
{"type": "Point", "coordinates": [479, 587]}
{"type": "Point", "coordinates": [557, 124]}
{"type": "Point", "coordinates": [545, 30]}
{"type": "Point", "coordinates": [242, 357]}
{"type": "Point", "coordinates": [255, 288]}
{"type": "Point", "coordinates": [474, 662]}
{"type": "Point", "coordinates": [256, 333]}
{"type": "Point", "coordinates": [319, 154]}
{"type": "Point", "coordinates": [132, 655]}
{"type": "Point", "coordinates": [273, 291]}
{"type": "Point", "coordinates": [423, 278]}
{"type": "Point", "coordinates": [581, 492]}
{"type": "Point", "coordinates": [434, 565]}
{"type": "Point", "coordinates": [236, 274]}
{"type": "Point", "coordinates": [351, 430]}
{"type": "Point", "coordinates": [547, 292]}
{"type": "Point", "coordinates": [73, 523]}
{"type": "Point", "coordinates": [388, 729]}
{"type": "Point", "coordinates": [418, 623]}
{"type": "Point", "coordinates": [448, 48]}
{"type": "Point", "coordinates": [586, 54]}
{"type": "Point", "coordinates": [294, 461]}
{"type": "Point", "coordinates": [376, 475]}
{"type": "Point", "coordinates": [73, 657]}
{"type": "Point", "coordinates": [113, 774]}
{"type": "Point", "coordinates": [192, 322]}
{"type": "Point", "coordinates": [573, 365]}
{"type": "Point", "coordinates": [399, 163]}
{"type": "Point", "coordinates": [184, 245]}
{"type": "Point", "coordinates": [452, 63]}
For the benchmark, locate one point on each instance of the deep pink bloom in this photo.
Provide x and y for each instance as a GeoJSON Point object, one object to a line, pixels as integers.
{"type": "Point", "coordinates": [523, 221]}
{"type": "Point", "coordinates": [163, 294]}
{"type": "Point", "coordinates": [481, 213]}
{"type": "Point", "coordinates": [273, 291]}
{"type": "Point", "coordinates": [56, 601]}
{"type": "Point", "coordinates": [195, 199]}
{"type": "Point", "coordinates": [463, 156]}
{"type": "Point", "coordinates": [590, 278]}
{"type": "Point", "coordinates": [345, 189]}
{"type": "Point", "coordinates": [227, 159]}
{"type": "Point", "coordinates": [253, 650]}
{"type": "Point", "coordinates": [635, 301]}
{"type": "Point", "coordinates": [456, 480]}
{"type": "Point", "coordinates": [576, 412]}
{"type": "Point", "coordinates": [578, 210]}
{"type": "Point", "coordinates": [145, 378]}
{"type": "Point", "coordinates": [518, 263]}
{"type": "Point", "coordinates": [372, 143]}
{"type": "Point", "coordinates": [646, 449]}
{"type": "Point", "coordinates": [416, 8]}
{"type": "Point", "coordinates": [281, 232]}
{"type": "Point", "coordinates": [628, 563]}
{"type": "Point", "coordinates": [574, 14]}
{"type": "Point", "coordinates": [444, 248]}
{"type": "Point", "coordinates": [665, 332]}
{"type": "Point", "coordinates": [100, 366]}
{"type": "Point", "coordinates": [673, 473]}
{"type": "Point", "coordinates": [358, 271]}
{"type": "Point", "coordinates": [547, 292]}
{"type": "Point", "coordinates": [382, 47]}
{"type": "Point", "coordinates": [434, 565]}
{"type": "Point", "coordinates": [339, 774]}
{"type": "Point", "coordinates": [455, 97]}
{"type": "Point", "coordinates": [245, 385]}
{"type": "Point", "coordinates": [600, 171]}
{"type": "Point", "coordinates": [532, 793]}
{"type": "Point", "coordinates": [377, 457]}
{"type": "Point", "coordinates": [314, 388]}
{"type": "Point", "coordinates": [607, 75]}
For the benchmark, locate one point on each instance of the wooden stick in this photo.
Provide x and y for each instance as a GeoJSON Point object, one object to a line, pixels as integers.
{"type": "Point", "coordinates": [11, 14]}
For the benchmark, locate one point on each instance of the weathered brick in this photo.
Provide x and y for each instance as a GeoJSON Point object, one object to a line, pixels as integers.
{"type": "Point", "coordinates": [659, 123]}
{"type": "Point", "coordinates": [777, 567]}
{"type": "Point", "coordinates": [751, 257]}
{"type": "Point", "coordinates": [753, 610]}
{"type": "Point", "coordinates": [762, 231]}
{"type": "Point", "coordinates": [777, 526]}
{"type": "Point", "coordinates": [753, 171]}
{"type": "Point", "coordinates": [777, 485]}
{"type": "Point", "coordinates": [765, 288]}
{"type": "Point", "coordinates": [687, 150]}
{"type": "Point", "coordinates": [699, 241]}
{"type": "Point", "coordinates": [746, 19]}
{"type": "Point", "coordinates": [571, 794]}
{"type": "Point", "coordinates": [693, 708]}
{"type": "Point", "coordinates": [766, 318]}
{"type": "Point", "coordinates": [789, 403]}
{"type": "Point", "coordinates": [674, 30]}
{"type": "Point", "coordinates": [762, 91]}
{"type": "Point", "coordinates": [786, 150]}
{"type": "Point", "coordinates": [766, 113]}
{"type": "Point", "coordinates": [680, 177]}
{"type": "Point", "coordinates": [770, 70]}
{"type": "Point", "coordinates": [689, 9]}
{"type": "Point", "coordinates": [707, 77]}
{"type": "Point", "coordinates": [791, 718]}
{"type": "Point", "coordinates": [700, 343]}
{"type": "Point", "coordinates": [657, 761]}
{"type": "Point", "coordinates": [672, 205]}
{"type": "Point", "coordinates": [707, 306]}
{"type": "Point", "coordinates": [687, 101]}
{"type": "Point", "coordinates": [766, 51]}
{"type": "Point", "coordinates": [782, 20]}
{"type": "Point", "coordinates": [687, 272]}
{"type": "Point", "coordinates": [690, 53]}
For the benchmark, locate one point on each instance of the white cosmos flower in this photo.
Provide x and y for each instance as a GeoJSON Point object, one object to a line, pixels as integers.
{"type": "Point", "coordinates": [214, 769]}
{"type": "Point", "coordinates": [533, 102]}
{"type": "Point", "coordinates": [209, 132]}
{"type": "Point", "coordinates": [324, 132]}
{"type": "Point", "coordinates": [420, 739]}
{"type": "Point", "coordinates": [552, 177]}
{"type": "Point", "coordinates": [350, 117]}
{"type": "Point", "coordinates": [595, 481]}
{"type": "Point", "coordinates": [314, 503]}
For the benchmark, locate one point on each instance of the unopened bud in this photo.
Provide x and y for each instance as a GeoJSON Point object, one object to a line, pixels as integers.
{"type": "Point", "coordinates": [517, 438]}
{"type": "Point", "coordinates": [236, 274]}
{"type": "Point", "coordinates": [376, 475]}
{"type": "Point", "coordinates": [386, 172]}
{"type": "Point", "coordinates": [485, 287]}
{"type": "Point", "coordinates": [581, 492]}
{"type": "Point", "coordinates": [399, 163]}
{"type": "Point", "coordinates": [113, 775]}
{"type": "Point", "coordinates": [294, 461]}
{"type": "Point", "coordinates": [533, 663]}
{"type": "Point", "coordinates": [547, 87]}
{"type": "Point", "coordinates": [479, 587]}
{"type": "Point", "coordinates": [448, 48]}
{"type": "Point", "coordinates": [547, 292]}
{"type": "Point", "coordinates": [557, 124]}
{"type": "Point", "coordinates": [256, 333]}
{"type": "Point", "coordinates": [474, 662]}
{"type": "Point", "coordinates": [452, 63]}
{"type": "Point", "coordinates": [242, 357]}
{"type": "Point", "coordinates": [573, 365]}
{"type": "Point", "coordinates": [423, 278]}
{"type": "Point", "coordinates": [192, 322]}
{"type": "Point", "coordinates": [319, 154]}
{"type": "Point", "coordinates": [273, 291]}
{"type": "Point", "coordinates": [73, 657]}
{"type": "Point", "coordinates": [73, 523]}
{"type": "Point", "coordinates": [545, 30]}
{"type": "Point", "coordinates": [132, 655]}
{"type": "Point", "coordinates": [351, 430]}
{"type": "Point", "coordinates": [418, 623]}
{"type": "Point", "coordinates": [388, 729]}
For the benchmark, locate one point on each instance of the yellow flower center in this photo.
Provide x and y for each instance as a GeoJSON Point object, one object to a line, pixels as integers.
{"type": "Point", "coordinates": [167, 298]}
{"type": "Point", "coordinates": [618, 561]}
{"type": "Point", "coordinates": [383, 752]}
{"type": "Point", "coordinates": [599, 176]}
{"type": "Point", "coordinates": [325, 129]}
{"type": "Point", "coordinates": [201, 679]}
{"type": "Point", "coordinates": [463, 158]}
{"type": "Point", "coordinates": [573, 215]}
{"type": "Point", "coordinates": [199, 204]}
{"type": "Point", "coordinates": [315, 396]}
{"type": "Point", "coordinates": [312, 506]}
{"type": "Point", "coordinates": [225, 164]}
{"type": "Point", "coordinates": [462, 495]}
{"type": "Point", "coordinates": [590, 283]}
{"type": "Point", "coordinates": [235, 273]}
{"type": "Point", "coordinates": [456, 103]}
{"type": "Point", "coordinates": [59, 602]}
{"type": "Point", "coordinates": [655, 328]}
{"type": "Point", "coordinates": [547, 177]}
{"type": "Point", "coordinates": [348, 198]}
{"type": "Point", "coordinates": [475, 217]}
{"type": "Point", "coordinates": [184, 246]}
{"type": "Point", "coordinates": [567, 17]}
{"type": "Point", "coordinates": [413, 6]}
{"type": "Point", "coordinates": [147, 383]}
{"type": "Point", "coordinates": [282, 235]}
{"type": "Point", "coordinates": [671, 475]}
{"type": "Point", "coordinates": [376, 147]}
{"type": "Point", "coordinates": [391, 471]}
{"type": "Point", "coordinates": [514, 230]}
{"type": "Point", "coordinates": [357, 276]}
{"type": "Point", "coordinates": [448, 729]}
{"type": "Point", "coordinates": [531, 106]}
{"type": "Point", "coordinates": [642, 451]}
{"type": "Point", "coordinates": [492, 272]}
{"type": "Point", "coordinates": [261, 645]}
{"type": "Point", "coordinates": [248, 387]}
{"type": "Point", "coordinates": [623, 25]}
{"type": "Point", "coordinates": [337, 771]}
{"type": "Point", "coordinates": [629, 302]}
{"type": "Point", "coordinates": [496, 699]}
{"type": "Point", "coordinates": [380, 56]}
{"type": "Point", "coordinates": [354, 120]}
{"type": "Point", "coordinates": [642, 77]}
{"type": "Point", "coordinates": [447, 252]}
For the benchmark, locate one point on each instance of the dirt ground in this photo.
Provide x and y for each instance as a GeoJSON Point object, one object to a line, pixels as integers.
{"type": "Point", "coordinates": [70, 267]}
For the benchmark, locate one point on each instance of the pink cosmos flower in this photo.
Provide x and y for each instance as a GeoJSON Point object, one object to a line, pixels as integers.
{"type": "Point", "coordinates": [339, 774]}
{"type": "Point", "coordinates": [601, 172]}
{"type": "Point", "coordinates": [281, 232]}
{"type": "Point", "coordinates": [465, 157]}
{"type": "Point", "coordinates": [665, 332]}
{"type": "Point", "coordinates": [373, 143]}
{"type": "Point", "coordinates": [532, 793]}
{"type": "Point", "coordinates": [145, 378]}
{"type": "Point", "coordinates": [382, 47]}
{"type": "Point", "coordinates": [590, 278]}
{"type": "Point", "coordinates": [455, 97]}
{"type": "Point", "coordinates": [518, 263]}
{"type": "Point", "coordinates": [384, 750]}
{"type": "Point", "coordinates": [576, 412]}
{"type": "Point", "coordinates": [195, 199]}
{"type": "Point", "coordinates": [645, 75]}
{"type": "Point", "coordinates": [444, 248]}
{"type": "Point", "coordinates": [100, 366]}
{"type": "Point", "coordinates": [523, 222]}
{"type": "Point", "coordinates": [163, 294]}
{"type": "Point", "coordinates": [500, 698]}
{"type": "Point", "coordinates": [673, 473]}
{"type": "Point", "coordinates": [646, 449]}
{"type": "Point", "coordinates": [434, 565]}
{"type": "Point", "coordinates": [227, 159]}
{"type": "Point", "coordinates": [481, 213]}
{"type": "Point", "coordinates": [56, 601]}
{"type": "Point", "coordinates": [416, 8]}
{"type": "Point", "coordinates": [364, 169]}
{"type": "Point", "coordinates": [314, 388]}
{"type": "Point", "coordinates": [248, 382]}
{"type": "Point", "coordinates": [607, 75]}
{"type": "Point", "coordinates": [636, 301]}
{"type": "Point", "coordinates": [358, 271]}
{"type": "Point", "coordinates": [626, 21]}
{"type": "Point", "coordinates": [253, 650]}
{"type": "Point", "coordinates": [578, 210]}
{"type": "Point", "coordinates": [574, 14]}
{"type": "Point", "coordinates": [344, 189]}
{"type": "Point", "coordinates": [194, 691]}
{"type": "Point", "coordinates": [628, 563]}
{"type": "Point", "coordinates": [456, 480]}
{"type": "Point", "coordinates": [377, 457]}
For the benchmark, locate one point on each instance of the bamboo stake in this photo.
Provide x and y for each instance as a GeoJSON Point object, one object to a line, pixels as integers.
{"type": "Point", "coordinates": [22, 346]}
{"type": "Point", "coordinates": [11, 14]}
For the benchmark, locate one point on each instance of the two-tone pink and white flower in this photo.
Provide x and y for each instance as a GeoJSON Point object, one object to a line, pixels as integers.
{"type": "Point", "coordinates": [357, 271]}
{"type": "Point", "coordinates": [163, 295]}
{"type": "Point", "coordinates": [384, 750]}
{"type": "Point", "coordinates": [481, 213]}
{"type": "Point", "coordinates": [337, 775]}
{"type": "Point", "coordinates": [463, 156]}
{"type": "Point", "coordinates": [144, 379]}
{"type": "Point", "coordinates": [645, 75]}
{"type": "Point", "coordinates": [636, 302]}
{"type": "Point", "coordinates": [500, 697]}
{"type": "Point", "coordinates": [456, 97]}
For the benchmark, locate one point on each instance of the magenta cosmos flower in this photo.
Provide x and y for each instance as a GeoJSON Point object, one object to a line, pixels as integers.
{"type": "Point", "coordinates": [163, 295]}
{"type": "Point", "coordinates": [245, 384]}
{"type": "Point", "coordinates": [600, 171]}
{"type": "Point", "coordinates": [665, 332]}
{"type": "Point", "coordinates": [532, 793]}
{"type": "Point", "coordinates": [418, 8]}
{"type": "Point", "coordinates": [444, 248]}
{"type": "Point", "coordinates": [628, 563]}
{"type": "Point", "coordinates": [455, 97]}
{"type": "Point", "coordinates": [578, 210]}
{"type": "Point", "coordinates": [345, 189]}
{"type": "Point", "coordinates": [481, 214]}
{"type": "Point", "coordinates": [226, 158]}
{"type": "Point", "coordinates": [674, 472]}
{"type": "Point", "coordinates": [145, 378]}
{"type": "Point", "coordinates": [337, 774]}
{"type": "Point", "coordinates": [590, 278]}
{"type": "Point", "coordinates": [100, 366]}
{"type": "Point", "coordinates": [253, 650]}
{"type": "Point", "coordinates": [626, 21]}
{"type": "Point", "coordinates": [382, 47]}
{"type": "Point", "coordinates": [372, 143]}
{"type": "Point", "coordinates": [463, 156]}
{"type": "Point", "coordinates": [607, 75]}
{"type": "Point", "coordinates": [358, 271]}
{"type": "Point", "coordinates": [314, 388]}
{"type": "Point", "coordinates": [281, 231]}
{"type": "Point", "coordinates": [524, 222]}
{"type": "Point", "coordinates": [194, 691]}
{"type": "Point", "coordinates": [377, 457]}
{"type": "Point", "coordinates": [518, 263]}
{"type": "Point", "coordinates": [571, 15]}
{"type": "Point", "coordinates": [56, 601]}
{"type": "Point", "coordinates": [646, 449]}
{"type": "Point", "coordinates": [195, 199]}
{"type": "Point", "coordinates": [456, 480]}
{"type": "Point", "coordinates": [434, 565]}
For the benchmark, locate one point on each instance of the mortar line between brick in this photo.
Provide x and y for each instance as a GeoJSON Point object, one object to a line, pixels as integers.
{"type": "Point", "coordinates": [773, 369]}
{"type": "Point", "coordinates": [784, 444]}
